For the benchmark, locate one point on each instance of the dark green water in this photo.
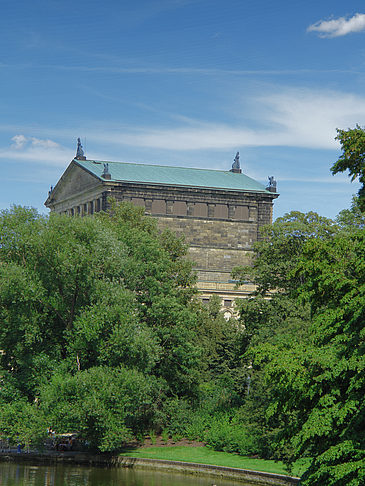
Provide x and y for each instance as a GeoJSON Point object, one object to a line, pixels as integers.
{"type": "Point", "coordinates": [12, 474]}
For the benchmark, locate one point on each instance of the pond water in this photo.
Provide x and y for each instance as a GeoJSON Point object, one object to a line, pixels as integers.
{"type": "Point", "coordinates": [25, 474]}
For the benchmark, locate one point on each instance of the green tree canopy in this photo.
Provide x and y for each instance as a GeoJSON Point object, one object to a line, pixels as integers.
{"type": "Point", "coordinates": [352, 158]}
{"type": "Point", "coordinates": [277, 253]}
{"type": "Point", "coordinates": [106, 293]}
{"type": "Point", "coordinates": [307, 347]}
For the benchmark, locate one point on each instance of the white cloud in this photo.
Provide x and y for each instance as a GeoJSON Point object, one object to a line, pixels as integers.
{"type": "Point", "coordinates": [339, 27]}
{"type": "Point", "coordinates": [287, 118]}
{"type": "Point", "coordinates": [308, 118]}
{"type": "Point", "coordinates": [46, 144]}
{"type": "Point", "coordinates": [19, 141]}
{"type": "Point", "coordinates": [37, 151]}
{"type": "Point", "coordinates": [291, 118]}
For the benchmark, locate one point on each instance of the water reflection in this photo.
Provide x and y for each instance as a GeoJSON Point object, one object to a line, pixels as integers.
{"type": "Point", "coordinates": [12, 474]}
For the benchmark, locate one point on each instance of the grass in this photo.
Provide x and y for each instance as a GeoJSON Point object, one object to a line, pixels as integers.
{"type": "Point", "coordinates": [204, 455]}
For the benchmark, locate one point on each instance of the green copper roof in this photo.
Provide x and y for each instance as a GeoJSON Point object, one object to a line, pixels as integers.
{"type": "Point", "coordinates": [173, 176]}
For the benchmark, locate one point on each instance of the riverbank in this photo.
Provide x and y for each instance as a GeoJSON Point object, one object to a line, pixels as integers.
{"type": "Point", "coordinates": [127, 460]}
{"type": "Point", "coordinates": [205, 455]}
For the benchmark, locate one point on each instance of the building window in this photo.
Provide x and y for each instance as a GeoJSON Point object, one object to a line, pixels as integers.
{"type": "Point", "coordinates": [201, 210]}
{"type": "Point", "coordinates": [205, 301]}
{"type": "Point", "coordinates": [221, 211]}
{"type": "Point", "coordinates": [241, 212]}
{"type": "Point", "coordinates": [179, 208]}
{"type": "Point", "coordinates": [158, 206]}
{"type": "Point", "coordinates": [227, 303]}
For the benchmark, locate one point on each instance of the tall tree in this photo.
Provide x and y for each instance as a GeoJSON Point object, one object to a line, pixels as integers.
{"type": "Point", "coordinates": [276, 255]}
{"type": "Point", "coordinates": [316, 380]}
{"type": "Point", "coordinates": [352, 158]}
{"type": "Point", "coordinates": [101, 293]}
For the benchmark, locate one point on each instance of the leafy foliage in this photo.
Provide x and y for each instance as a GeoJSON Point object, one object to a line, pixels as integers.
{"type": "Point", "coordinates": [107, 406]}
{"type": "Point", "coordinates": [352, 158]}
{"type": "Point", "coordinates": [88, 305]}
{"type": "Point", "coordinates": [353, 217]}
{"type": "Point", "coordinates": [101, 334]}
{"type": "Point", "coordinates": [307, 348]}
{"type": "Point", "coordinates": [277, 253]}
{"type": "Point", "coordinates": [23, 423]}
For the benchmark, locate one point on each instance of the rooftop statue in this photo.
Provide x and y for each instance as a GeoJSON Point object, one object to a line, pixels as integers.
{"type": "Point", "coordinates": [272, 184]}
{"type": "Point", "coordinates": [106, 174]}
{"type": "Point", "coordinates": [236, 167]}
{"type": "Point", "coordinates": [79, 152]}
{"type": "Point", "coordinates": [236, 163]}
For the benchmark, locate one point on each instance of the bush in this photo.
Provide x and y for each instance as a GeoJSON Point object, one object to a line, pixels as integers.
{"type": "Point", "coordinates": [200, 421]}
{"type": "Point", "coordinates": [175, 416]}
{"type": "Point", "coordinates": [226, 434]}
{"type": "Point", "coordinates": [107, 406]}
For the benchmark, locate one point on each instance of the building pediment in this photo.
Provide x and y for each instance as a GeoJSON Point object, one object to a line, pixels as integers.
{"type": "Point", "coordinates": [75, 180]}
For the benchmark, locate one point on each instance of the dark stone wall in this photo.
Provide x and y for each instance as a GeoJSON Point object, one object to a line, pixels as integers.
{"type": "Point", "coordinates": [219, 226]}
{"type": "Point", "coordinates": [212, 233]}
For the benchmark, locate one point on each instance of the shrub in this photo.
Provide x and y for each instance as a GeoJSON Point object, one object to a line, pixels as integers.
{"type": "Point", "coordinates": [226, 434]}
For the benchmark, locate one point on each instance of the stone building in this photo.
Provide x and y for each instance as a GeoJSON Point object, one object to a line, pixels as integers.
{"type": "Point", "coordinates": [219, 212]}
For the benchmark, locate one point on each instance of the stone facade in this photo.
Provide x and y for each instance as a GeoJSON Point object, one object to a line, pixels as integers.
{"type": "Point", "coordinates": [220, 225]}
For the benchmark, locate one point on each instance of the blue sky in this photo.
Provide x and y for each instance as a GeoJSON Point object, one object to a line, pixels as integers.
{"type": "Point", "coordinates": [182, 82]}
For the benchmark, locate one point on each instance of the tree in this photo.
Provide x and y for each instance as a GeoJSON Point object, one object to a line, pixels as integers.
{"type": "Point", "coordinates": [317, 383]}
{"type": "Point", "coordinates": [50, 271]}
{"type": "Point", "coordinates": [23, 423]}
{"type": "Point", "coordinates": [277, 253]}
{"type": "Point", "coordinates": [104, 293]}
{"type": "Point", "coordinates": [352, 158]}
{"type": "Point", "coordinates": [353, 217]}
{"type": "Point", "coordinates": [335, 285]}
{"type": "Point", "coordinates": [107, 406]}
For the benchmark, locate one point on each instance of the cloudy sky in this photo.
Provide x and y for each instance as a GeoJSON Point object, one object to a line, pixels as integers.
{"type": "Point", "coordinates": [182, 82]}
